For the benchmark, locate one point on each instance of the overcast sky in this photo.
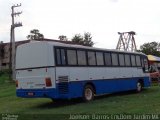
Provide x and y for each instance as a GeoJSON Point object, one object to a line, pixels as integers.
{"type": "Point", "coordinates": [102, 18]}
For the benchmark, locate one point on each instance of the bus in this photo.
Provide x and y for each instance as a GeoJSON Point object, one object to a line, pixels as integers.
{"type": "Point", "coordinates": [65, 71]}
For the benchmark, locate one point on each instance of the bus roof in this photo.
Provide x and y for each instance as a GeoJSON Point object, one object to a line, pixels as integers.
{"type": "Point", "coordinates": [58, 44]}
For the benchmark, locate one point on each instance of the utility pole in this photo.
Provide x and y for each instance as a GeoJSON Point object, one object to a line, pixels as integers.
{"type": "Point", "coordinates": [12, 45]}
{"type": "Point", "coordinates": [126, 41]}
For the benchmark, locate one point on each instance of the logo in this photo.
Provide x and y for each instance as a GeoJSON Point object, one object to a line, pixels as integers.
{"type": "Point", "coordinates": [9, 117]}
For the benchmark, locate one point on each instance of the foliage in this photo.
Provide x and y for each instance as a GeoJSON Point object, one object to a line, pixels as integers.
{"type": "Point", "coordinates": [77, 39]}
{"type": "Point", "coordinates": [5, 72]}
{"type": "Point", "coordinates": [35, 35]}
{"type": "Point", "coordinates": [63, 38]}
{"type": "Point", "coordinates": [88, 39]}
{"type": "Point", "coordinates": [4, 77]}
{"type": "Point", "coordinates": [150, 48]}
{"type": "Point", "coordinates": [85, 40]}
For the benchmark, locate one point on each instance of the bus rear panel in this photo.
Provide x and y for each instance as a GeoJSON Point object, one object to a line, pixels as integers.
{"type": "Point", "coordinates": [35, 70]}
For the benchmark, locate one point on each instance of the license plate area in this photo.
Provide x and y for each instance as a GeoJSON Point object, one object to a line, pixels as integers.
{"type": "Point", "coordinates": [30, 94]}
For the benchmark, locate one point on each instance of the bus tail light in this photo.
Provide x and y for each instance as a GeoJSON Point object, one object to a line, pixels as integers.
{"type": "Point", "coordinates": [48, 82]}
{"type": "Point", "coordinates": [16, 83]}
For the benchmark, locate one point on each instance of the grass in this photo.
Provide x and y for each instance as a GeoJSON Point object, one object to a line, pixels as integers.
{"type": "Point", "coordinates": [4, 78]}
{"type": "Point", "coordinates": [146, 102]}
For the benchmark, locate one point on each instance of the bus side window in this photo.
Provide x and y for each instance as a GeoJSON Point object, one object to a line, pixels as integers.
{"type": "Point", "coordinates": [100, 60]}
{"type": "Point", "coordinates": [142, 62]}
{"type": "Point", "coordinates": [107, 58]}
{"type": "Point", "coordinates": [81, 56]}
{"type": "Point", "coordinates": [91, 58]}
{"type": "Point", "coordinates": [114, 59]}
{"type": "Point", "coordinates": [71, 57]}
{"type": "Point", "coordinates": [60, 57]}
{"type": "Point", "coordinates": [127, 60]}
{"type": "Point", "coordinates": [63, 58]}
{"type": "Point", "coordinates": [138, 61]}
{"type": "Point", "coordinates": [133, 60]}
{"type": "Point", "coordinates": [121, 60]}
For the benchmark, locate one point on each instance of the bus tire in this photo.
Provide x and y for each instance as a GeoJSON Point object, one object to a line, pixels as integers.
{"type": "Point", "coordinates": [55, 100]}
{"type": "Point", "coordinates": [139, 87]}
{"type": "Point", "coordinates": [88, 93]}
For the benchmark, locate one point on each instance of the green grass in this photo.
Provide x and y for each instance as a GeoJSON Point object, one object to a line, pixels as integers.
{"type": "Point", "coordinates": [148, 102]}
{"type": "Point", "coordinates": [4, 78]}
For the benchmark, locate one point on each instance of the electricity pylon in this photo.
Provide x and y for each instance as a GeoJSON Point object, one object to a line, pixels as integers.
{"type": "Point", "coordinates": [126, 41]}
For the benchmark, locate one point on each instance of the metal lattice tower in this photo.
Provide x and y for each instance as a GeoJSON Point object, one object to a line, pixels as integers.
{"type": "Point", "coordinates": [126, 41]}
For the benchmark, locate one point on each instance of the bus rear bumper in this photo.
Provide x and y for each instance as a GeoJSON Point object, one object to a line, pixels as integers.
{"type": "Point", "coordinates": [37, 93]}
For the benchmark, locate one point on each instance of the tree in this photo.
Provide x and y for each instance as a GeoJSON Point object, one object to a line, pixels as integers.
{"type": "Point", "coordinates": [63, 38]}
{"type": "Point", "coordinates": [35, 35]}
{"type": "Point", "coordinates": [85, 40]}
{"type": "Point", "coordinates": [88, 39]}
{"type": "Point", "coordinates": [77, 39]}
{"type": "Point", "coordinates": [150, 48]}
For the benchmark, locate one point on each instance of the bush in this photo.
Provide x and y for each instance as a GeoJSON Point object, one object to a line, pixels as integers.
{"type": "Point", "coordinates": [6, 72]}
{"type": "Point", "coordinates": [4, 76]}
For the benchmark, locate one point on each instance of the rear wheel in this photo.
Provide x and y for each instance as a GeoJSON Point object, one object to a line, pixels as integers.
{"type": "Point", "coordinates": [139, 87]}
{"type": "Point", "coordinates": [57, 100]}
{"type": "Point", "coordinates": [88, 93]}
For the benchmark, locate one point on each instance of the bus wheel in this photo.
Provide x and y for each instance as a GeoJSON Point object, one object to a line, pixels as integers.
{"type": "Point", "coordinates": [88, 93]}
{"type": "Point", "coordinates": [55, 100]}
{"type": "Point", "coordinates": [139, 87]}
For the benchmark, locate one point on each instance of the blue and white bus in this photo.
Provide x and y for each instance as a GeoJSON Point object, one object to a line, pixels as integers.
{"type": "Point", "coordinates": [64, 71]}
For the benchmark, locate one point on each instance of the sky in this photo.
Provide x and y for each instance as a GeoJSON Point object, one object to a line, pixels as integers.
{"type": "Point", "coordinates": [102, 18]}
